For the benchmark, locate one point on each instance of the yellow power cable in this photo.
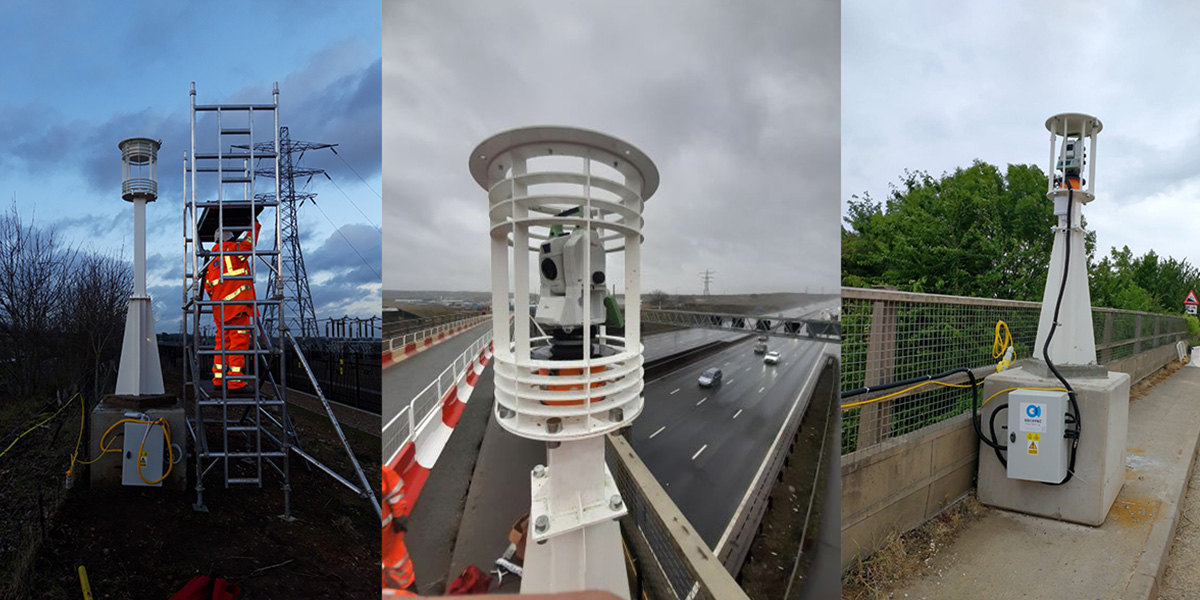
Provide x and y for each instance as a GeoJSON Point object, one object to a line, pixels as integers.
{"type": "Point", "coordinates": [104, 448]}
{"type": "Point", "coordinates": [1001, 344]}
{"type": "Point", "coordinates": [78, 440]}
{"type": "Point", "coordinates": [39, 424]}
{"type": "Point", "coordinates": [166, 428]}
{"type": "Point", "coordinates": [909, 389]}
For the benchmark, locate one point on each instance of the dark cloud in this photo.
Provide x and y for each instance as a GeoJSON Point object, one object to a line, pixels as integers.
{"type": "Point", "coordinates": [737, 105]}
{"type": "Point", "coordinates": [340, 281]}
{"type": "Point", "coordinates": [351, 256]}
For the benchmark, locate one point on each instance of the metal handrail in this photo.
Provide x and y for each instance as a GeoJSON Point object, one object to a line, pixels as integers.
{"type": "Point", "coordinates": [391, 344]}
{"type": "Point", "coordinates": [414, 415]}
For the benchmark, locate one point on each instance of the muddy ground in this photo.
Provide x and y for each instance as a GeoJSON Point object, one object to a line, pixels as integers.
{"type": "Point", "coordinates": [149, 542]}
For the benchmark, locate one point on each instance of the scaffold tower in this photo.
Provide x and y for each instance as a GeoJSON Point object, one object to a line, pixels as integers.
{"type": "Point", "coordinates": [243, 432]}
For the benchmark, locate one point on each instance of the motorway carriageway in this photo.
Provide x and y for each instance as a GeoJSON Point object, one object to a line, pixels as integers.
{"type": "Point", "coordinates": [703, 444]}
{"type": "Point", "coordinates": [706, 445]}
{"type": "Point", "coordinates": [407, 378]}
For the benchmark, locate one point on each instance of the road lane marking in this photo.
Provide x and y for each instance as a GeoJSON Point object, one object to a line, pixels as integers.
{"type": "Point", "coordinates": [660, 429]}
{"type": "Point", "coordinates": [702, 401]}
{"type": "Point", "coordinates": [735, 415]}
{"type": "Point", "coordinates": [676, 390]}
{"type": "Point", "coordinates": [730, 380]}
{"type": "Point", "coordinates": [760, 390]}
{"type": "Point", "coordinates": [699, 451]}
{"type": "Point", "coordinates": [691, 366]}
{"type": "Point", "coordinates": [774, 446]}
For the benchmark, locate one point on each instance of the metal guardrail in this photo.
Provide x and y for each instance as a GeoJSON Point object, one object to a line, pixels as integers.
{"type": "Point", "coordinates": [777, 326]}
{"type": "Point", "coordinates": [399, 342]}
{"type": "Point", "coordinates": [401, 427]}
{"type": "Point", "coordinates": [671, 560]}
{"type": "Point", "coordinates": [891, 336]}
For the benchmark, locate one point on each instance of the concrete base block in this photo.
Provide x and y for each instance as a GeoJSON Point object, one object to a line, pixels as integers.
{"type": "Point", "coordinates": [1100, 459]}
{"type": "Point", "coordinates": [106, 472]}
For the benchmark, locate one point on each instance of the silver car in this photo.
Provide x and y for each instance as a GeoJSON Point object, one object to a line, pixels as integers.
{"type": "Point", "coordinates": [710, 377]}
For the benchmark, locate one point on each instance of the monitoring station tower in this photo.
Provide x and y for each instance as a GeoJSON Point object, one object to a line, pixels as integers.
{"type": "Point", "coordinates": [1047, 462]}
{"type": "Point", "coordinates": [568, 202]}
{"type": "Point", "coordinates": [146, 416]}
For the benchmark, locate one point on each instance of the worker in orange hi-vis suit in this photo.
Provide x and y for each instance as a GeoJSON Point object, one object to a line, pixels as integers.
{"type": "Point", "coordinates": [397, 566]}
{"type": "Point", "coordinates": [232, 319]}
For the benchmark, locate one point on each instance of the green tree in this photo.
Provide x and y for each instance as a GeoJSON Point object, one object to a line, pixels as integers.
{"type": "Point", "coordinates": [974, 232]}
{"type": "Point", "coordinates": [986, 233]}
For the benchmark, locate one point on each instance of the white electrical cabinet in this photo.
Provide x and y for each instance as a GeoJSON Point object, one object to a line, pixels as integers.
{"type": "Point", "coordinates": [1037, 448]}
{"type": "Point", "coordinates": [150, 456]}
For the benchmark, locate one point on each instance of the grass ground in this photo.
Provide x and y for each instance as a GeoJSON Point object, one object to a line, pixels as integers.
{"type": "Point", "coordinates": [32, 484]}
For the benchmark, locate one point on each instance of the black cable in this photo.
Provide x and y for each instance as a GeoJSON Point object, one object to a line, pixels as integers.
{"type": "Point", "coordinates": [992, 427]}
{"type": "Point", "coordinates": [895, 384]}
{"type": "Point", "coordinates": [974, 399]}
{"type": "Point", "coordinates": [1050, 336]}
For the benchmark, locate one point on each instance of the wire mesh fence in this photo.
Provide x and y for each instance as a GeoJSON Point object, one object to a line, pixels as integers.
{"type": "Point", "coordinates": [892, 336]}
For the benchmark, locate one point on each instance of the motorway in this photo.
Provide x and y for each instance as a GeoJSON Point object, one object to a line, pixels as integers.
{"type": "Point", "coordinates": [811, 310]}
{"type": "Point", "coordinates": [662, 345]}
{"type": "Point", "coordinates": [406, 379]}
{"type": "Point", "coordinates": [705, 444]}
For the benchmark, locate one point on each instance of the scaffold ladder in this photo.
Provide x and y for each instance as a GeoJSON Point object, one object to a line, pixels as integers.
{"type": "Point", "coordinates": [241, 430]}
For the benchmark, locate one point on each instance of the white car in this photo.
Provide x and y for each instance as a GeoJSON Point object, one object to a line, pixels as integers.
{"type": "Point", "coordinates": [772, 358]}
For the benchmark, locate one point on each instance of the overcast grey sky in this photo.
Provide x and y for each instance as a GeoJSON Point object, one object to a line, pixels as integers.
{"type": "Point", "coordinates": [933, 85]}
{"type": "Point", "coordinates": [736, 102]}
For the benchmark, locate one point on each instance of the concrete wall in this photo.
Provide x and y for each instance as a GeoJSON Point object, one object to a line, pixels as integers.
{"type": "Point", "coordinates": [1142, 365]}
{"type": "Point", "coordinates": [899, 484]}
{"type": "Point", "coordinates": [903, 482]}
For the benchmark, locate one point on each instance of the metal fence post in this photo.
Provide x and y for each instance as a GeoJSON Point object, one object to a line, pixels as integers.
{"type": "Point", "coordinates": [1137, 335]}
{"type": "Point", "coordinates": [874, 419]}
{"type": "Point", "coordinates": [1106, 353]}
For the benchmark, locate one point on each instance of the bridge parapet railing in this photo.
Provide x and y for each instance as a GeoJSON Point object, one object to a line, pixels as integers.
{"type": "Point", "coordinates": [670, 559]}
{"type": "Point", "coordinates": [398, 342]}
{"type": "Point", "coordinates": [890, 336]}
{"type": "Point", "coordinates": [402, 427]}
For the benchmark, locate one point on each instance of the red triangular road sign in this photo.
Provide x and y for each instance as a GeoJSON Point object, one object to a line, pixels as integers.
{"type": "Point", "coordinates": [1191, 298]}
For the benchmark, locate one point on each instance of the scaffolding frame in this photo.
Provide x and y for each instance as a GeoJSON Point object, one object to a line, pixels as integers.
{"type": "Point", "coordinates": [264, 429]}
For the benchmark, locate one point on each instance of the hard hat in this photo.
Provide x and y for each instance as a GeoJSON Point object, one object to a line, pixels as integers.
{"type": "Point", "coordinates": [226, 236]}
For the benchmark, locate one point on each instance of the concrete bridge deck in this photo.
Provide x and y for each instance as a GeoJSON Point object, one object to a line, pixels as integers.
{"type": "Point", "coordinates": [1011, 555]}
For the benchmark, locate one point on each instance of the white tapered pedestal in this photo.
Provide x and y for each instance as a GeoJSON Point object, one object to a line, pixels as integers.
{"type": "Point", "coordinates": [141, 372]}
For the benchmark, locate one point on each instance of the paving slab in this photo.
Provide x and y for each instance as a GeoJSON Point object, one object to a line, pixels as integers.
{"type": "Point", "coordinates": [1181, 579]}
{"type": "Point", "coordinates": [1011, 555]}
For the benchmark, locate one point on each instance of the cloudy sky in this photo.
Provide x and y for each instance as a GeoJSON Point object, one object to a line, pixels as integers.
{"type": "Point", "coordinates": [78, 77]}
{"type": "Point", "coordinates": [736, 102]}
{"type": "Point", "coordinates": [933, 85]}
